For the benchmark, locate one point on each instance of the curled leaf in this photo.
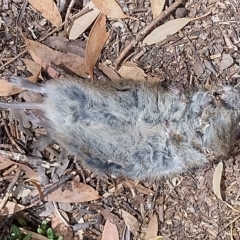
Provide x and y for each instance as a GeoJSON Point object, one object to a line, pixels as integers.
{"type": "Point", "coordinates": [97, 38]}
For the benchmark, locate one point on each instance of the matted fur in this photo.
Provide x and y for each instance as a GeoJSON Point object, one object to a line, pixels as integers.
{"type": "Point", "coordinates": [138, 129]}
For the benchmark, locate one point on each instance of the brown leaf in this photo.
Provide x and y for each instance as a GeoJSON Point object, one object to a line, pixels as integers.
{"type": "Point", "coordinates": [131, 222]}
{"type": "Point", "coordinates": [11, 208]}
{"type": "Point", "coordinates": [138, 187]}
{"type": "Point", "coordinates": [29, 172]}
{"type": "Point", "coordinates": [33, 68]}
{"type": "Point", "coordinates": [152, 228]}
{"type": "Point", "coordinates": [5, 162]}
{"type": "Point", "coordinates": [110, 8]}
{"type": "Point", "coordinates": [110, 216]}
{"type": "Point", "coordinates": [80, 24]}
{"type": "Point", "coordinates": [97, 38]}
{"type": "Point", "coordinates": [217, 177]}
{"type": "Point", "coordinates": [44, 55]}
{"type": "Point", "coordinates": [65, 45]}
{"type": "Point", "coordinates": [111, 73]}
{"type": "Point", "coordinates": [110, 231]}
{"type": "Point", "coordinates": [131, 71]}
{"type": "Point", "coordinates": [160, 33]}
{"type": "Point", "coordinates": [157, 7]}
{"type": "Point", "coordinates": [73, 192]}
{"type": "Point", "coordinates": [60, 229]}
{"type": "Point", "coordinates": [8, 89]}
{"type": "Point", "coordinates": [49, 10]}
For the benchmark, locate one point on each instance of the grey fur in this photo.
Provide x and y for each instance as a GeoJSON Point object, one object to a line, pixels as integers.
{"type": "Point", "coordinates": [138, 129]}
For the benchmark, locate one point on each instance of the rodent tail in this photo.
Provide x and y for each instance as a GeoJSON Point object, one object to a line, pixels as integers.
{"type": "Point", "coordinates": [20, 105]}
{"type": "Point", "coordinates": [26, 84]}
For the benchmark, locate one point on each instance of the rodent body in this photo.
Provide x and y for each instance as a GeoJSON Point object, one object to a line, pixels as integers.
{"type": "Point", "coordinates": [137, 129]}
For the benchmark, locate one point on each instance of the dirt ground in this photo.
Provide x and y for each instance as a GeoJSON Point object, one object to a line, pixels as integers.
{"type": "Point", "coordinates": [202, 54]}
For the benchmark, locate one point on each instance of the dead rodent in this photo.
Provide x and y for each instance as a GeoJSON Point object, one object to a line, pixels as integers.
{"type": "Point", "coordinates": [136, 129]}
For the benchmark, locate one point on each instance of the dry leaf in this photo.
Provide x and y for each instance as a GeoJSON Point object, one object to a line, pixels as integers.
{"type": "Point", "coordinates": [73, 192]}
{"type": "Point", "coordinates": [5, 162]}
{"type": "Point", "coordinates": [110, 8]}
{"type": "Point", "coordinates": [110, 231]}
{"type": "Point", "coordinates": [110, 216]}
{"type": "Point", "coordinates": [65, 45]}
{"type": "Point", "coordinates": [60, 229]}
{"type": "Point", "coordinates": [11, 208]}
{"type": "Point", "coordinates": [8, 89]}
{"type": "Point", "coordinates": [44, 55]}
{"type": "Point", "coordinates": [97, 38]}
{"type": "Point", "coordinates": [160, 33]}
{"type": "Point", "coordinates": [131, 71]}
{"type": "Point", "coordinates": [138, 187]}
{"type": "Point", "coordinates": [152, 228]}
{"type": "Point", "coordinates": [217, 177]}
{"type": "Point", "coordinates": [131, 222]}
{"type": "Point", "coordinates": [33, 68]}
{"type": "Point", "coordinates": [157, 7]}
{"type": "Point", "coordinates": [49, 10]}
{"type": "Point", "coordinates": [111, 73]}
{"type": "Point", "coordinates": [29, 172]}
{"type": "Point", "coordinates": [79, 25]}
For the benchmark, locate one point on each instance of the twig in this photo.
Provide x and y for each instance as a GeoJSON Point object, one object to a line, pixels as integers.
{"type": "Point", "coordinates": [59, 214]}
{"type": "Point", "coordinates": [146, 30]}
{"type": "Point", "coordinates": [10, 135]}
{"type": "Point", "coordinates": [33, 161]}
{"type": "Point", "coordinates": [53, 187]}
{"type": "Point", "coordinates": [4, 225]}
{"type": "Point", "coordinates": [67, 15]}
{"type": "Point", "coordinates": [13, 59]}
{"type": "Point", "coordinates": [10, 188]}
